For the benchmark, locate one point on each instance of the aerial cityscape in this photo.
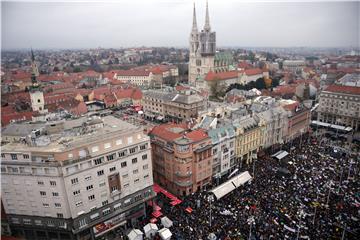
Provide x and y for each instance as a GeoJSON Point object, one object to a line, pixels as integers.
{"type": "Point", "coordinates": [181, 120]}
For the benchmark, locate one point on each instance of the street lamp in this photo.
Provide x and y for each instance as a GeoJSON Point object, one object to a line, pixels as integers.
{"type": "Point", "coordinates": [210, 199]}
{"type": "Point", "coordinates": [250, 221]}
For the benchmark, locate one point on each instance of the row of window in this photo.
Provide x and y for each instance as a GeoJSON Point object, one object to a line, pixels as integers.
{"type": "Point", "coordinates": [15, 156]}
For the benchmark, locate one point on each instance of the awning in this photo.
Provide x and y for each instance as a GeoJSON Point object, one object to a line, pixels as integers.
{"type": "Point", "coordinates": [231, 184]}
{"type": "Point", "coordinates": [223, 189]}
{"type": "Point", "coordinates": [241, 179]}
{"type": "Point", "coordinates": [280, 154]}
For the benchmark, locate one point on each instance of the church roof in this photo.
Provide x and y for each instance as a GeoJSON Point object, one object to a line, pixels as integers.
{"type": "Point", "coordinates": [212, 76]}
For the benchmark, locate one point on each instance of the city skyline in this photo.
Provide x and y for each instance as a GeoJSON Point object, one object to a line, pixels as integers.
{"type": "Point", "coordinates": [67, 25]}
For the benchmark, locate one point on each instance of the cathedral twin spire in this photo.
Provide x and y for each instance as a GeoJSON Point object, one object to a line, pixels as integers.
{"type": "Point", "coordinates": [207, 20]}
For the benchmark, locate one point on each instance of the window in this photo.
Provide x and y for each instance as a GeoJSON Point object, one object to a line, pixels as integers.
{"type": "Point", "coordinates": [93, 208]}
{"type": "Point", "coordinates": [58, 205]}
{"type": "Point", "coordinates": [91, 197]}
{"type": "Point", "coordinates": [123, 164]}
{"type": "Point", "coordinates": [132, 150]}
{"type": "Point", "coordinates": [112, 169]}
{"type": "Point", "coordinates": [143, 147]}
{"type": "Point", "coordinates": [78, 204]}
{"type": "Point", "coordinates": [107, 145]}
{"type": "Point", "coordinates": [114, 188]}
{"type": "Point", "coordinates": [87, 178]}
{"type": "Point", "coordinates": [98, 161]}
{"type": "Point", "coordinates": [101, 184]}
{"type": "Point", "coordinates": [40, 183]}
{"type": "Point", "coordinates": [130, 140]}
{"type": "Point", "coordinates": [122, 153]}
{"type": "Point", "coordinates": [3, 155]}
{"type": "Point", "coordinates": [13, 156]}
{"type": "Point", "coordinates": [90, 187]}
{"type": "Point", "coordinates": [136, 171]}
{"type": "Point", "coordinates": [126, 185]}
{"type": "Point", "coordinates": [95, 149]}
{"type": "Point", "coordinates": [82, 222]}
{"type": "Point", "coordinates": [26, 156]}
{"type": "Point", "coordinates": [104, 203]}
{"type": "Point", "coordinates": [42, 193]}
{"type": "Point", "coordinates": [70, 155]}
{"type": "Point", "coordinates": [110, 157]}
{"type": "Point", "coordinates": [134, 160]}
{"type": "Point", "coordinates": [77, 192]}
{"type": "Point", "coordinates": [146, 166]}
{"type": "Point", "coordinates": [136, 180]}
{"type": "Point", "coordinates": [60, 215]}
{"type": "Point", "coordinates": [74, 181]}
{"type": "Point", "coordinates": [52, 183]}
{"type": "Point", "coordinates": [117, 206]}
{"type": "Point", "coordinates": [101, 172]}
{"type": "Point", "coordinates": [38, 222]}
{"type": "Point", "coordinates": [27, 221]}
{"type": "Point", "coordinates": [45, 205]}
{"type": "Point", "coordinates": [144, 157]}
{"type": "Point", "coordinates": [146, 176]}
{"type": "Point", "coordinates": [106, 211]}
{"type": "Point", "coordinates": [125, 175]}
{"type": "Point", "coordinates": [55, 194]}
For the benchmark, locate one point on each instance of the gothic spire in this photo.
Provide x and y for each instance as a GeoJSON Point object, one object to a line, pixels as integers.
{"type": "Point", "coordinates": [194, 26]}
{"type": "Point", "coordinates": [207, 19]}
{"type": "Point", "coordinates": [32, 56]}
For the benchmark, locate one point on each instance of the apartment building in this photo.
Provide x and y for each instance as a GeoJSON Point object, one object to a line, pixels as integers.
{"type": "Point", "coordinates": [223, 149]}
{"type": "Point", "coordinates": [76, 179]}
{"type": "Point", "coordinates": [182, 158]}
{"type": "Point", "coordinates": [249, 138]}
{"type": "Point", "coordinates": [136, 77]}
{"type": "Point", "coordinates": [172, 105]}
{"type": "Point", "coordinates": [275, 129]}
{"type": "Point", "coordinates": [340, 105]}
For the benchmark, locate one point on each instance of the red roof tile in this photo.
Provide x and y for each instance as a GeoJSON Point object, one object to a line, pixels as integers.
{"type": "Point", "coordinates": [211, 76]}
{"type": "Point", "coordinates": [253, 71]}
{"type": "Point", "coordinates": [343, 89]}
{"type": "Point", "coordinates": [197, 135]}
{"type": "Point", "coordinates": [16, 116]}
{"type": "Point", "coordinates": [132, 73]}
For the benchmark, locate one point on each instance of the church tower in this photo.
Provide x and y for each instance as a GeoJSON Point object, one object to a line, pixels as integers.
{"type": "Point", "coordinates": [36, 94]}
{"type": "Point", "coordinates": [202, 50]}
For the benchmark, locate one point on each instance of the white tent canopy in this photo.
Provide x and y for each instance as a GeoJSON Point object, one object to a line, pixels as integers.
{"type": "Point", "coordinates": [166, 222]}
{"type": "Point", "coordinates": [231, 184]}
{"type": "Point", "coordinates": [165, 234]}
{"type": "Point", "coordinates": [135, 234]}
{"type": "Point", "coordinates": [280, 154]}
{"type": "Point", "coordinates": [150, 229]}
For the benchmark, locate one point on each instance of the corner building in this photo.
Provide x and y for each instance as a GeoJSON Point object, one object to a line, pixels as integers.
{"type": "Point", "coordinates": [182, 158]}
{"type": "Point", "coordinates": [76, 179]}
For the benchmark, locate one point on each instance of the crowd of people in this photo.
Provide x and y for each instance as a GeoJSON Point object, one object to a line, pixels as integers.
{"type": "Point", "coordinates": [316, 197]}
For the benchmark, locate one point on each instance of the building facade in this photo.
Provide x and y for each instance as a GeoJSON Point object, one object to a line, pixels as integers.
{"type": "Point", "coordinates": [182, 158]}
{"type": "Point", "coordinates": [80, 179]}
{"type": "Point", "coordinates": [249, 138]}
{"type": "Point", "coordinates": [223, 149]}
{"type": "Point", "coordinates": [172, 105]}
{"type": "Point", "coordinates": [340, 105]}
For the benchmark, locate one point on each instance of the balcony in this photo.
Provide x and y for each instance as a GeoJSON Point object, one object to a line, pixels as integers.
{"type": "Point", "coordinates": [115, 193]}
{"type": "Point", "coordinates": [183, 174]}
{"type": "Point", "coordinates": [183, 184]}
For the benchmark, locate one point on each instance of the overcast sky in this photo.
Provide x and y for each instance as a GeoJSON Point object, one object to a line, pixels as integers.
{"type": "Point", "coordinates": [168, 23]}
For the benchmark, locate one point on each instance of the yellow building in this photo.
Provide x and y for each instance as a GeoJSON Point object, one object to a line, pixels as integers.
{"type": "Point", "coordinates": [249, 138]}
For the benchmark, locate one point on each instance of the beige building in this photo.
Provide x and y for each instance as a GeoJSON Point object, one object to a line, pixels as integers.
{"type": "Point", "coordinates": [75, 179]}
{"type": "Point", "coordinates": [249, 138]}
{"type": "Point", "coordinates": [136, 77]}
{"type": "Point", "coordinates": [340, 105]}
{"type": "Point", "coordinates": [172, 105]}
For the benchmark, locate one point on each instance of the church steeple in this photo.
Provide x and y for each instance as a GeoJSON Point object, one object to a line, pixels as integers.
{"type": "Point", "coordinates": [34, 68]}
{"type": "Point", "coordinates": [194, 26]}
{"type": "Point", "coordinates": [207, 19]}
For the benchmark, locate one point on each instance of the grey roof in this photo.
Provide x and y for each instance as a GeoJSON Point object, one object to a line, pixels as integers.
{"type": "Point", "coordinates": [174, 97]}
{"type": "Point", "coordinates": [247, 122]}
{"type": "Point", "coordinates": [20, 129]}
{"type": "Point", "coordinates": [224, 131]}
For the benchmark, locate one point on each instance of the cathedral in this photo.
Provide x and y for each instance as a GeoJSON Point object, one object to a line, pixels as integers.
{"type": "Point", "coordinates": [203, 57]}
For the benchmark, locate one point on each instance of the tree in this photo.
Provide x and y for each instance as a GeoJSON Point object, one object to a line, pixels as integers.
{"type": "Point", "coordinates": [217, 89]}
{"type": "Point", "coordinates": [268, 82]}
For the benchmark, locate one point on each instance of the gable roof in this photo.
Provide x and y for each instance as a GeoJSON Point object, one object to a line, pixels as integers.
{"type": "Point", "coordinates": [211, 76]}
